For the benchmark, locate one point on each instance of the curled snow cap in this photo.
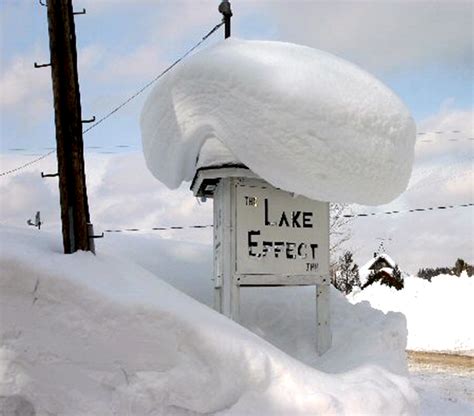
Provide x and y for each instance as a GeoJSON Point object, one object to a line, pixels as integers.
{"type": "Point", "coordinates": [302, 119]}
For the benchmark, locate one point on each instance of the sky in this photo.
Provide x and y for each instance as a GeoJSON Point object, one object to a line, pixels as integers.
{"type": "Point", "coordinates": [423, 50]}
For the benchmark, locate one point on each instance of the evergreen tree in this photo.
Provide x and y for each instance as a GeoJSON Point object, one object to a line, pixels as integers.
{"type": "Point", "coordinates": [459, 266]}
{"type": "Point", "coordinates": [346, 276]}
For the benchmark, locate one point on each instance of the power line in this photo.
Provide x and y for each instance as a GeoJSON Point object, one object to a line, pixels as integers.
{"type": "Point", "coordinates": [124, 103]}
{"type": "Point", "coordinates": [27, 164]}
{"type": "Point", "coordinates": [443, 141]}
{"type": "Point", "coordinates": [174, 227]}
{"type": "Point", "coordinates": [409, 211]}
{"type": "Point", "coordinates": [109, 148]}
{"type": "Point", "coordinates": [369, 214]}
{"type": "Point", "coordinates": [422, 133]}
{"type": "Point", "coordinates": [114, 148]}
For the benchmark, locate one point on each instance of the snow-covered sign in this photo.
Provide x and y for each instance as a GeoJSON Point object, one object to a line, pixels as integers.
{"type": "Point", "coordinates": [264, 236]}
{"type": "Point", "coordinates": [297, 120]}
{"type": "Point", "coordinates": [280, 234]}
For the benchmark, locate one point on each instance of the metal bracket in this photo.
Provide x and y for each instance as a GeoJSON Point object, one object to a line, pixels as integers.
{"type": "Point", "coordinates": [49, 175]}
{"type": "Point", "coordinates": [90, 232]}
{"type": "Point", "coordinates": [218, 281]}
{"type": "Point", "coordinates": [90, 120]}
{"type": "Point", "coordinates": [41, 65]}
{"type": "Point", "coordinates": [97, 236]}
{"type": "Point", "coordinates": [37, 222]}
{"type": "Point", "coordinates": [83, 12]}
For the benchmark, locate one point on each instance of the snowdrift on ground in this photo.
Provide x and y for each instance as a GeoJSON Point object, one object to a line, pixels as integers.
{"type": "Point", "coordinates": [84, 334]}
{"type": "Point", "coordinates": [438, 314]}
{"type": "Point", "coordinates": [302, 119]}
{"type": "Point", "coordinates": [284, 316]}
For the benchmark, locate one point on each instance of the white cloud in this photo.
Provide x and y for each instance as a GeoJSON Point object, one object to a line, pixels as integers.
{"type": "Point", "coordinates": [140, 65]}
{"type": "Point", "coordinates": [382, 34]}
{"type": "Point", "coordinates": [23, 195]}
{"type": "Point", "coordinates": [443, 175]}
{"type": "Point", "coordinates": [122, 194]}
{"type": "Point", "coordinates": [176, 25]}
{"type": "Point", "coordinates": [24, 87]}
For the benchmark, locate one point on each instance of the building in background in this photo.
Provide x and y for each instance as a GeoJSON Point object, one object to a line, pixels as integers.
{"type": "Point", "coordinates": [381, 268]}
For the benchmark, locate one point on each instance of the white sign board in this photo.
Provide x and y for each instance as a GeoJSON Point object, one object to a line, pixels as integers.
{"type": "Point", "coordinates": [279, 234]}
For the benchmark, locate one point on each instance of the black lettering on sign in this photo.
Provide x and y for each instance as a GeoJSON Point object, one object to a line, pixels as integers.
{"type": "Point", "coordinates": [313, 246]}
{"type": "Point", "coordinates": [283, 219]}
{"type": "Point", "coordinates": [290, 248]}
{"type": "Point", "coordinates": [307, 220]}
{"type": "Point", "coordinates": [312, 267]}
{"type": "Point", "coordinates": [252, 243]}
{"type": "Point", "coordinates": [294, 219]}
{"type": "Point", "coordinates": [302, 251]}
{"type": "Point", "coordinates": [277, 245]}
{"type": "Point", "coordinates": [251, 201]}
{"type": "Point", "coordinates": [267, 246]}
{"type": "Point", "coordinates": [297, 219]}
{"type": "Point", "coordinates": [267, 222]}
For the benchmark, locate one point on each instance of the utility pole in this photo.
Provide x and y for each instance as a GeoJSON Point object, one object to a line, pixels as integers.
{"type": "Point", "coordinates": [226, 11]}
{"type": "Point", "coordinates": [75, 218]}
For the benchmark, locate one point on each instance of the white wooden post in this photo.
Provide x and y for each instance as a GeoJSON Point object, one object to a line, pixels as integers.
{"type": "Point", "coordinates": [217, 234]}
{"type": "Point", "coordinates": [227, 291]}
{"type": "Point", "coordinates": [323, 329]}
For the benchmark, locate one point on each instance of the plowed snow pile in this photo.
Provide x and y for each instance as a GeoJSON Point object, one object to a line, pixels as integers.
{"type": "Point", "coordinates": [302, 119]}
{"type": "Point", "coordinates": [97, 335]}
{"type": "Point", "coordinates": [438, 312]}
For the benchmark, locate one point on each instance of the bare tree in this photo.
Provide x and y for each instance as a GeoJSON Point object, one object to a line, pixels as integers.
{"type": "Point", "coordinates": [340, 233]}
{"type": "Point", "coordinates": [339, 228]}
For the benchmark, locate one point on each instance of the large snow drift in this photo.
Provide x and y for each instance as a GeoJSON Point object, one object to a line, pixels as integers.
{"type": "Point", "coordinates": [302, 119]}
{"type": "Point", "coordinates": [84, 334]}
{"type": "Point", "coordinates": [438, 312]}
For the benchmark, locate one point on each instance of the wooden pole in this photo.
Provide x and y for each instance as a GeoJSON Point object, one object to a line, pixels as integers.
{"type": "Point", "coordinates": [67, 108]}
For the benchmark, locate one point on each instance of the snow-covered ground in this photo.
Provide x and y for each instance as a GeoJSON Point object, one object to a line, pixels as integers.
{"type": "Point", "coordinates": [84, 334]}
{"type": "Point", "coordinates": [439, 312]}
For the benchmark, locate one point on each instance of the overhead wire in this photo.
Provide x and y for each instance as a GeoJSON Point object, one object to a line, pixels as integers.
{"type": "Point", "coordinates": [362, 214]}
{"type": "Point", "coordinates": [31, 162]}
{"type": "Point", "coordinates": [149, 84]}
{"type": "Point", "coordinates": [124, 103]}
{"type": "Point", "coordinates": [127, 146]}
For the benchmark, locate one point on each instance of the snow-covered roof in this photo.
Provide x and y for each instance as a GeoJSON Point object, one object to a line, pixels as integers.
{"type": "Point", "coordinates": [302, 119]}
{"type": "Point", "coordinates": [364, 271]}
{"type": "Point", "coordinates": [213, 153]}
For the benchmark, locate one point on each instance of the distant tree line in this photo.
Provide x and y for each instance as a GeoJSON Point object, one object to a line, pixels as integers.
{"type": "Point", "coordinates": [458, 268]}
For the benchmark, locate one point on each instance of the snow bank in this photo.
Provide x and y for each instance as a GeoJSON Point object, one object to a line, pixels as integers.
{"type": "Point", "coordinates": [284, 316]}
{"type": "Point", "coordinates": [438, 313]}
{"type": "Point", "coordinates": [302, 119]}
{"type": "Point", "coordinates": [84, 334]}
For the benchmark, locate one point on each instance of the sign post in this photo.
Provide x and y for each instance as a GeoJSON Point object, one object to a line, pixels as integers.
{"type": "Point", "coordinates": [264, 236]}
